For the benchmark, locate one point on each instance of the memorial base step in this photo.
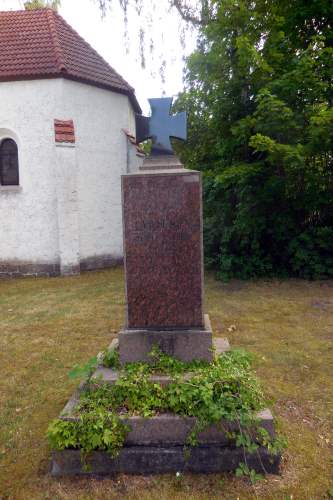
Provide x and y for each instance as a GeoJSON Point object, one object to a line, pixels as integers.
{"type": "Point", "coordinates": [110, 376]}
{"type": "Point", "coordinates": [183, 344]}
{"type": "Point", "coordinates": [168, 429]}
{"type": "Point", "coordinates": [158, 444]}
{"type": "Point", "coordinates": [161, 460]}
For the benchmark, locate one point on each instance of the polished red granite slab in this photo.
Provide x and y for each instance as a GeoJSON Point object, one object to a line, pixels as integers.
{"type": "Point", "coordinates": [163, 249]}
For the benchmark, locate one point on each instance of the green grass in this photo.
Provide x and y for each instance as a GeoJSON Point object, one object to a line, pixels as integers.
{"type": "Point", "coordinates": [48, 325]}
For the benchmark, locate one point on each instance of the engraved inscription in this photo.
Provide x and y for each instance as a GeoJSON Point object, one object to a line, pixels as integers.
{"type": "Point", "coordinates": [147, 230]}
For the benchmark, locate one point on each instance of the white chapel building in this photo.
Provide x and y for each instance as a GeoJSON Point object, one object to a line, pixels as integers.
{"type": "Point", "coordinates": [67, 121]}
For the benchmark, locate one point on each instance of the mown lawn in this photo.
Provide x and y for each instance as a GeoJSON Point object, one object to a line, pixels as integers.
{"type": "Point", "coordinates": [48, 325]}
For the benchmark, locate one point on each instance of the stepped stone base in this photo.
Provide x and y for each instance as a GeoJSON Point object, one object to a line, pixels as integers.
{"type": "Point", "coordinates": [168, 429]}
{"type": "Point", "coordinates": [186, 345]}
{"type": "Point", "coordinates": [110, 376]}
{"type": "Point", "coordinates": [157, 444]}
{"type": "Point", "coordinates": [161, 460]}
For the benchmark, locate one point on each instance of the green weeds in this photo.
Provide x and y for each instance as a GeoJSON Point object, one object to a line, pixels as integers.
{"type": "Point", "coordinates": [224, 390]}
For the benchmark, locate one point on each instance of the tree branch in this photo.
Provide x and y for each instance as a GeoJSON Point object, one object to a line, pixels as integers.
{"type": "Point", "coordinates": [185, 13]}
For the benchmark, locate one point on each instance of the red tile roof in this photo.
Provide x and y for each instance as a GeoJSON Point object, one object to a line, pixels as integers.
{"type": "Point", "coordinates": [132, 140]}
{"type": "Point", "coordinates": [40, 44]}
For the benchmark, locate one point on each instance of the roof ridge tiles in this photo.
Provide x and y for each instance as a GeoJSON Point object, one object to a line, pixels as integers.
{"type": "Point", "coordinates": [56, 44]}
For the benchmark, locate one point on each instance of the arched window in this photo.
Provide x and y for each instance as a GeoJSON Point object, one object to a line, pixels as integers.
{"type": "Point", "coordinates": [9, 168]}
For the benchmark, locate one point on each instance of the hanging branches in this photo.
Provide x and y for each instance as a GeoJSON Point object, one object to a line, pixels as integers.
{"type": "Point", "coordinates": [196, 13]}
{"type": "Point", "coordinates": [196, 16]}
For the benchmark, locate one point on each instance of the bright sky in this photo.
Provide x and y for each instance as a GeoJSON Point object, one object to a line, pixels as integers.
{"type": "Point", "coordinates": [107, 37]}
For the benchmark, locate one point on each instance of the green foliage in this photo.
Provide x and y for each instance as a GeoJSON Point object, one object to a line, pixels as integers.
{"type": "Point", "coordinates": [62, 434]}
{"type": "Point", "coordinates": [224, 390]}
{"type": "Point", "coordinates": [259, 101]}
{"type": "Point", "coordinates": [210, 393]}
{"type": "Point", "coordinates": [137, 394]}
{"type": "Point", "coordinates": [163, 363]}
{"type": "Point", "coordinates": [111, 358]}
{"type": "Point", "coordinates": [146, 146]}
{"type": "Point", "coordinates": [312, 253]}
{"type": "Point", "coordinates": [83, 371]}
{"type": "Point", "coordinates": [274, 447]}
{"type": "Point", "coordinates": [96, 429]}
{"type": "Point", "coordinates": [42, 4]}
{"type": "Point", "coordinates": [243, 470]}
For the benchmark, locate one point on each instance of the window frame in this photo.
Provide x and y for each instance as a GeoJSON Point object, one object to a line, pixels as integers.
{"type": "Point", "coordinates": [7, 186]}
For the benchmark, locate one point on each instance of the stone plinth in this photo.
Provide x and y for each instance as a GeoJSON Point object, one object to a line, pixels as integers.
{"type": "Point", "coordinates": [110, 376]}
{"type": "Point", "coordinates": [163, 249]}
{"type": "Point", "coordinates": [183, 344]}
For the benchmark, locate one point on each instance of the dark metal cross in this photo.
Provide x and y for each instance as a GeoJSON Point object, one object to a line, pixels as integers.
{"type": "Point", "coordinates": [161, 126]}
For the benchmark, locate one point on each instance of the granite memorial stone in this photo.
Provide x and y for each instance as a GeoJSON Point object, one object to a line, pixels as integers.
{"type": "Point", "coordinates": [163, 249]}
{"type": "Point", "coordinates": [162, 221]}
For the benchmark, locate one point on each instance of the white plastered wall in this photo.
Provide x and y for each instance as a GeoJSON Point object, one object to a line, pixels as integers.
{"type": "Point", "coordinates": [30, 216]}
{"type": "Point", "coordinates": [28, 231]}
{"type": "Point", "coordinates": [101, 152]}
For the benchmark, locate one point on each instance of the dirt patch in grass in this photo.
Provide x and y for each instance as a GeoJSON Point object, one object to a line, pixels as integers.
{"type": "Point", "coordinates": [48, 325]}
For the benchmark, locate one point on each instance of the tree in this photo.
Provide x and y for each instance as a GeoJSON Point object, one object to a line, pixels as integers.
{"type": "Point", "coordinates": [259, 98]}
{"type": "Point", "coordinates": [42, 4]}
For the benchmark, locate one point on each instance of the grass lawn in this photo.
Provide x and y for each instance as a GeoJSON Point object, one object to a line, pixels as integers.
{"type": "Point", "coordinates": [48, 325]}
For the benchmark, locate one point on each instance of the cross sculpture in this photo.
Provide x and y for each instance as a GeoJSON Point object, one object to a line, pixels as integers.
{"type": "Point", "coordinates": [161, 126]}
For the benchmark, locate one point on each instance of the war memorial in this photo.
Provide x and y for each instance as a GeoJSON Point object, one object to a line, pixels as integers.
{"type": "Point", "coordinates": [163, 254]}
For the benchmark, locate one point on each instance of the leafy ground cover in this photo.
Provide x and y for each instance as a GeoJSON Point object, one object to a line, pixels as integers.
{"type": "Point", "coordinates": [224, 390]}
{"type": "Point", "coordinates": [49, 325]}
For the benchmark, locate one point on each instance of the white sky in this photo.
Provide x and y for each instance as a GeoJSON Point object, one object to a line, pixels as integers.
{"type": "Point", "coordinates": [107, 37]}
